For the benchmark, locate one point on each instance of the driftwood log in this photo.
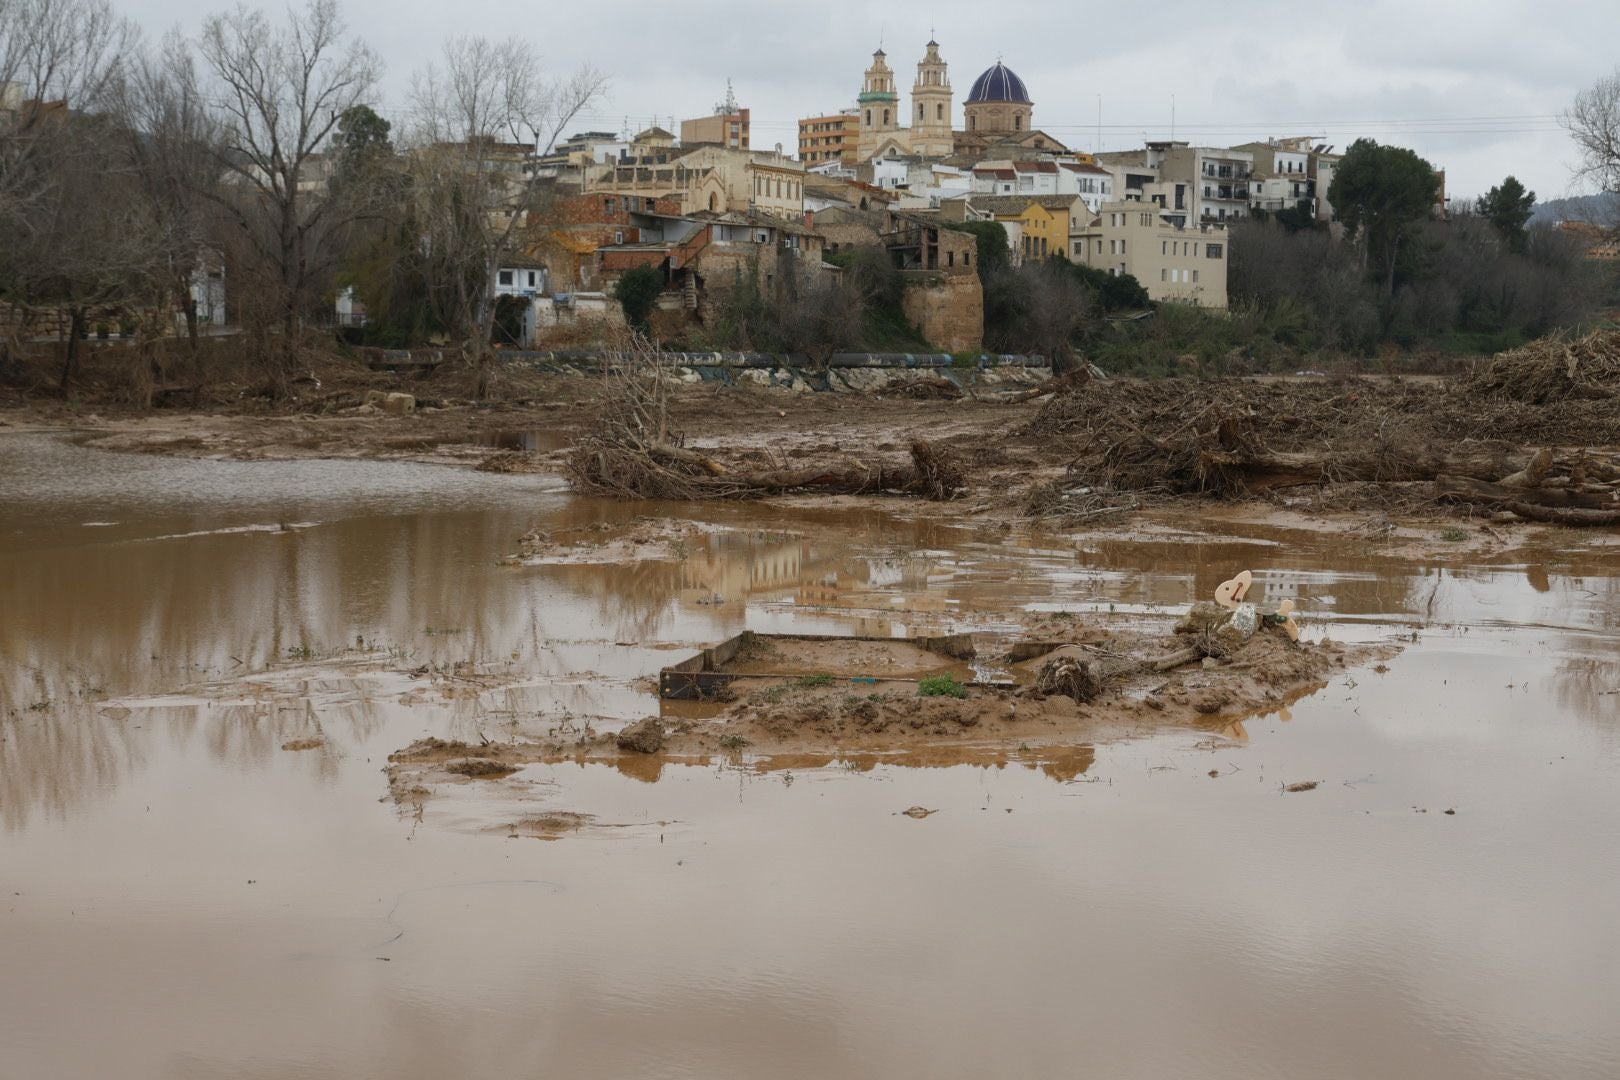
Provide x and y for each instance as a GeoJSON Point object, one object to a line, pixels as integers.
{"type": "Point", "coordinates": [925, 475]}
{"type": "Point", "coordinates": [1536, 485]}
{"type": "Point", "coordinates": [1259, 470]}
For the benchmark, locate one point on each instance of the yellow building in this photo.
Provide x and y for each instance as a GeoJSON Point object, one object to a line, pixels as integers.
{"type": "Point", "coordinates": [1042, 223]}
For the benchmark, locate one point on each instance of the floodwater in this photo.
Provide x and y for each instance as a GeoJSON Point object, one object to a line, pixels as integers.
{"type": "Point", "coordinates": [181, 897]}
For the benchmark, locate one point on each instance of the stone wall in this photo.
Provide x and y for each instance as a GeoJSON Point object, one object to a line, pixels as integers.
{"type": "Point", "coordinates": [948, 310]}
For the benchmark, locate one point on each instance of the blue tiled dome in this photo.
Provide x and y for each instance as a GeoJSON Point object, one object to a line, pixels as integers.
{"type": "Point", "coordinates": [999, 84]}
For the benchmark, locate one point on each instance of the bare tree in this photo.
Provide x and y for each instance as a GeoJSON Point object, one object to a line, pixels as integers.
{"type": "Point", "coordinates": [1593, 121]}
{"type": "Point", "coordinates": [55, 55]}
{"type": "Point", "coordinates": [480, 118]}
{"type": "Point", "coordinates": [171, 147]}
{"type": "Point", "coordinates": [281, 92]}
{"type": "Point", "coordinates": [57, 59]}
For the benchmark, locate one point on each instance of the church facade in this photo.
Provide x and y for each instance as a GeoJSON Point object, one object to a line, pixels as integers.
{"type": "Point", "coordinates": [998, 114]}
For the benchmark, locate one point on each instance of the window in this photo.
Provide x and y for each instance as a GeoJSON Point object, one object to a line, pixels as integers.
{"type": "Point", "coordinates": [967, 258]}
{"type": "Point", "coordinates": [1212, 251]}
{"type": "Point", "coordinates": [885, 117]}
{"type": "Point", "coordinates": [1164, 247]}
{"type": "Point", "coordinates": [939, 112]}
{"type": "Point", "coordinates": [1122, 247]}
{"type": "Point", "coordinates": [1018, 123]}
{"type": "Point", "coordinates": [919, 110]}
{"type": "Point", "coordinates": [868, 117]}
{"type": "Point", "coordinates": [950, 258]}
{"type": "Point", "coordinates": [1195, 277]}
{"type": "Point", "coordinates": [1164, 275]}
{"type": "Point", "coordinates": [531, 279]}
{"type": "Point", "coordinates": [505, 277]}
{"type": "Point", "coordinates": [618, 238]}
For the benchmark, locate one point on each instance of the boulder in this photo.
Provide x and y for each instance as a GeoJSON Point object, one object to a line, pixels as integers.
{"type": "Point", "coordinates": [399, 404]}
{"type": "Point", "coordinates": [643, 736]}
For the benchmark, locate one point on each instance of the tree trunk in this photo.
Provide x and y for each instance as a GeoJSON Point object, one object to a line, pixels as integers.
{"type": "Point", "coordinates": [1481, 493]}
{"type": "Point", "coordinates": [70, 359]}
{"type": "Point", "coordinates": [1264, 469]}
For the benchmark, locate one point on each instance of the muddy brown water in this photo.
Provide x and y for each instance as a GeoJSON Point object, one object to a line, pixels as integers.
{"type": "Point", "coordinates": [181, 897]}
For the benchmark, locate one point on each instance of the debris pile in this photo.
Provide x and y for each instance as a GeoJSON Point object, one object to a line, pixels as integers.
{"type": "Point", "coordinates": [1531, 434]}
{"type": "Point", "coordinates": [1553, 369]}
{"type": "Point", "coordinates": [634, 452]}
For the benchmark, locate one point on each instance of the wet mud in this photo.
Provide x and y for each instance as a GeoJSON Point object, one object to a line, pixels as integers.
{"type": "Point", "coordinates": [282, 801]}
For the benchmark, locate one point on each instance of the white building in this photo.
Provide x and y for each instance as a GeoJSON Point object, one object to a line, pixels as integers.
{"type": "Point", "coordinates": [1048, 176]}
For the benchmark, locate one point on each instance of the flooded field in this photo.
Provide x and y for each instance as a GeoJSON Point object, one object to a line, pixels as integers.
{"type": "Point", "coordinates": [205, 665]}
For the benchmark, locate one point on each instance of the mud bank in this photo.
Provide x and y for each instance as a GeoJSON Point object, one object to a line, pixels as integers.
{"type": "Point", "coordinates": [798, 715]}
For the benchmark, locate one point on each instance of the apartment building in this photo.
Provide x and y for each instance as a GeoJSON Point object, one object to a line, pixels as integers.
{"type": "Point", "coordinates": [1174, 262]}
{"type": "Point", "coordinates": [829, 138]}
{"type": "Point", "coordinates": [1282, 175]}
{"type": "Point", "coordinates": [727, 127]}
{"type": "Point", "coordinates": [1206, 183]}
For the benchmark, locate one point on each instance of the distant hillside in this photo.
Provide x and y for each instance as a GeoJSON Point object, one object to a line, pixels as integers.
{"type": "Point", "coordinates": [1598, 209]}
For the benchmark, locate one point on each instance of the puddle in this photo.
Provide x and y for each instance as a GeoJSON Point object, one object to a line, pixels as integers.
{"type": "Point", "coordinates": [1152, 905]}
{"type": "Point", "coordinates": [531, 441]}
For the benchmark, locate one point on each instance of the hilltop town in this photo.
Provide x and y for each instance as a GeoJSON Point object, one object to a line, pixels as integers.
{"type": "Point", "coordinates": [482, 219]}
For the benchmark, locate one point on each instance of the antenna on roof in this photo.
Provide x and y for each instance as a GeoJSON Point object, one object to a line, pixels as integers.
{"type": "Point", "coordinates": [728, 106]}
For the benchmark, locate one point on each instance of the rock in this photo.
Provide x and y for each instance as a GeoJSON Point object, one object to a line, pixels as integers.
{"type": "Point", "coordinates": [1303, 785]}
{"type": "Point", "coordinates": [643, 736]}
{"type": "Point", "coordinates": [399, 404]}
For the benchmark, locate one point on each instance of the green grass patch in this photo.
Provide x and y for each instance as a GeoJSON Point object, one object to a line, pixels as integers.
{"type": "Point", "coordinates": [812, 682]}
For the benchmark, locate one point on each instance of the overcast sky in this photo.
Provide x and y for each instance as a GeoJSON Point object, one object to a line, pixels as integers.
{"type": "Point", "coordinates": [1475, 87]}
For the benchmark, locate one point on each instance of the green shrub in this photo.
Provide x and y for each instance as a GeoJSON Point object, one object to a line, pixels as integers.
{"type": "Point", "coordinates": [941, 686]}
{"type": "Point", "coordinates": [637, 292]}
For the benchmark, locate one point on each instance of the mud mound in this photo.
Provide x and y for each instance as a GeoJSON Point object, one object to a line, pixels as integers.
{"type": "Point", "coordinates": [1553, 369]}
{"type": "Point", "coordinates": [924, 388]}
{"type": "Point", "coordinates": [513, 461]}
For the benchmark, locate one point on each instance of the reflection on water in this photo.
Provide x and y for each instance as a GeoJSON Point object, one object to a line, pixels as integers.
{"type": "Point", "coordinates": [227, 907]}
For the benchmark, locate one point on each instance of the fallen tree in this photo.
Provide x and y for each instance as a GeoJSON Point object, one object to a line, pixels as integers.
{"type": "Point", "coordinates": [633, 452]}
